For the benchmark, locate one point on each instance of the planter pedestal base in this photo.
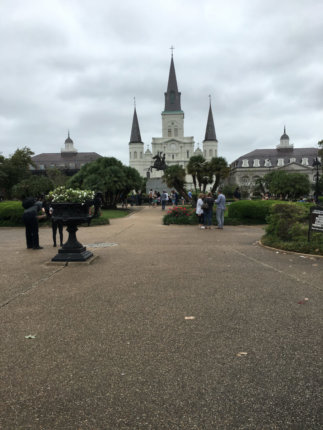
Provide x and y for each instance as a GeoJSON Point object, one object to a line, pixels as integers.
{"type": "Point", "coordinates": [73, 255]}
{"type": "Point", "coordinates": [71, 215]}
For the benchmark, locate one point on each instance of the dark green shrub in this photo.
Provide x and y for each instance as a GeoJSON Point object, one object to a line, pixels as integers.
{"type": "Point", "coordinates": [251, 211]}
{"type": "Point", "coordinates": [285, 220]}
{"type": "Point", "coordinates": [11, 213]}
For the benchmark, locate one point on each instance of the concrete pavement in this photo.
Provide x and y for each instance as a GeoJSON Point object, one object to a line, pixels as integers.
{"type": "Point", "coordinates": [150, 335]}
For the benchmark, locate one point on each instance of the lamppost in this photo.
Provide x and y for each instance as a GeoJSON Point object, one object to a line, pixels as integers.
{"type": "Point", "coordinates": [316, 164]}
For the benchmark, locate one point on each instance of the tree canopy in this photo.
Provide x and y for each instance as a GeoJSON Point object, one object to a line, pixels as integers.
{"type": "Point", "coordinates": [207, 172]}
{"type": "Point", "coordinates": [289, 185]}
{"type": "Point", "coordinates": [14, 169]}
{"type": "Point", "coordinates": [34, 185]}
{"type": "Point", "coordinates": [109, 176]}
{"type": "Point", "coordinates": [174, 177]}
{"type": "Point", "coordinates": [197, 167]}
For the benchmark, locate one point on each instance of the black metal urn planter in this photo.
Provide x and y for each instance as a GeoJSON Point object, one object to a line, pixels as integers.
{"type": "Point", "coordinates": [72, 215]}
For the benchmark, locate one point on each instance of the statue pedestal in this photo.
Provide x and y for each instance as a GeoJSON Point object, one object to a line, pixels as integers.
{"type": "Point", "coordinates": [156, 184]}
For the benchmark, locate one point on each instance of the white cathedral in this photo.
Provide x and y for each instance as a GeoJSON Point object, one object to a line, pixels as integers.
{"type": "Point", "coordinates": [176, 147]}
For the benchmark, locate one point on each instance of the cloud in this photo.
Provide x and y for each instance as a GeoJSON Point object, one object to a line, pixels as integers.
{"type": "Point", "coordinates": [78, 65]}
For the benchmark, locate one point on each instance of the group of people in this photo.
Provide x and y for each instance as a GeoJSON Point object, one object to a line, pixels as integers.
{"type": "Point", "coordinates": [34, 211]}
{"type": "Point", "coordinates": [204, 209]}
{"type": "Point", "coordinates": [155, 198]}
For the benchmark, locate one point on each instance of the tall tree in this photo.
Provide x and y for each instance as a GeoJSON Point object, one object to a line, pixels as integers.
{"type": "Point", "coordinates": [34, 185]}
{"type": "Point", "coordinates": [174, 177]}
{"type": "Point", "coordinates": [198, 169]}
{"type": "Point", "coordinates": [291, 185]}
{"type": "Point", "coordinates": [14, 169]}
{"type": "Point", "coordinates": [219, 170]}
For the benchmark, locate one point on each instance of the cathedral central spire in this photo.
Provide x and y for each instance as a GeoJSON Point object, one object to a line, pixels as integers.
{"type": "Point", "coordinates": [135, 131]}
{"type": "Point", "coordinates": [172, 96]}
{"type": "Point", "coordinates": [210, 129]}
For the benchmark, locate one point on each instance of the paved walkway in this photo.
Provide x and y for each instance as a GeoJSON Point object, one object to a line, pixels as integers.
{"type": "Point", "coordinates": [171, 328]}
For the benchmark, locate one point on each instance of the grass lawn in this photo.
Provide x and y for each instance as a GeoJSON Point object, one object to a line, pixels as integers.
{"type": "Point", "coordinates": [107, 214]}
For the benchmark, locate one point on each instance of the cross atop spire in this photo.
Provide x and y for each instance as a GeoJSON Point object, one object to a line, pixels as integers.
{"type": "Point", "coordinates": [172, 49]}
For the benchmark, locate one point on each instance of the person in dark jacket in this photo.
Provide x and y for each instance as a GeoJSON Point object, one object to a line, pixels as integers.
{"type": "Point", "coordinates": [208, 211]}
{"type": "Point", "coordinates": [30, 218]}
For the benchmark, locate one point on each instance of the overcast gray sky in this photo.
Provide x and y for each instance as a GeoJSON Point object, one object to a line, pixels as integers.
{"type": "Point", "coordinates": [77, 64]}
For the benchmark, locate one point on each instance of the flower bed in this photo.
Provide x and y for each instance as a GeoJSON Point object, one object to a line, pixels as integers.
{"type": "Point", "coordinates": [180, 215]}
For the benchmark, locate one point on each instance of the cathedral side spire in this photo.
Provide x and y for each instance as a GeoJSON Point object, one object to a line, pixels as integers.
{"type": "Point", "coordinates": [172, 96]}
{"type": "Point", "coordinates": [210, 130]}
{"type": "Point", "coordinates": [135, 131]}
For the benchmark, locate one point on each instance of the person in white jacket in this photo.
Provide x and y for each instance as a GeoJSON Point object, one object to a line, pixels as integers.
{"type": "Point", "coordinates": [199, 210]}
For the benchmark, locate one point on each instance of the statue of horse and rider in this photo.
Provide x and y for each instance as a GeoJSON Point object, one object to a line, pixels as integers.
{"type": "Point", "coordinates": [159, 163]}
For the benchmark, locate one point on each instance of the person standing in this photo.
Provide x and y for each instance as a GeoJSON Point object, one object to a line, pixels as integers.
{"type": "Point", "coordinates": [208, 212]}
{"type": "Point", "coordinates": [30, 219]}
{"type": "Point", "coordinates": [56, 225]}
{"type": "Point", "coordinates": [220, 209]}
{"type": "Point", "coordinates": [150, 197]}
{"type": "Point", "coordinates": [164, 198]}
{"type": "Point", "coordinates": [199, 210]}
{"type": "Point", "coordinates": [237, 194]}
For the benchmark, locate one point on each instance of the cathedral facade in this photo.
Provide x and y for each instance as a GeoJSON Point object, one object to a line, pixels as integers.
{"type": "Point", "coordinates": [173, 144]}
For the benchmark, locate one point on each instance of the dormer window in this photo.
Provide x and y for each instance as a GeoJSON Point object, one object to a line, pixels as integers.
{"type": "Point", "coordinates": [256, 163]}
{"type": "Point", "coordinates": [292, 160]}
{"type": "Point", "coordinates": [280, 162]}
{"type": "Point", "coordinates": [305, 161]}
{"type": "Point", "coordinates": [267, 162]}
{"type": "Point", "coordinates": [245, 163]}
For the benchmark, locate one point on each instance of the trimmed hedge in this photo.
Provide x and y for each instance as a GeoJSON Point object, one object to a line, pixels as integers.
{"type": "Point", "coordinates": [251, 211]}
{"type": "Point", "coordinates": [11, 213]}
{"type": "Point", "coordinates": [256, 211]}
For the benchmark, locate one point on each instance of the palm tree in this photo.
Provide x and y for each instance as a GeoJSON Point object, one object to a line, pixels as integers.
{"type": "Point", "coordinates": [174, 176]}
{"type": "Point", "coordinates": [220, 169]}
{"type": "Point", "coordinates": [197, 168]}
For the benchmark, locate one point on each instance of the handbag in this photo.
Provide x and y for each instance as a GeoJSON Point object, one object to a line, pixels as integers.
{"type": "Point", "coordinates": [205, 206]}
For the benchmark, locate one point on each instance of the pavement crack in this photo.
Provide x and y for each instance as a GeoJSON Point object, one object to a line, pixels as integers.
{"type": "Point", "coordinates": [31, 287]}
{"type": "Point", "coordinates": [123, 230]}
{"type": "Point", "coordinates": [276, 270]}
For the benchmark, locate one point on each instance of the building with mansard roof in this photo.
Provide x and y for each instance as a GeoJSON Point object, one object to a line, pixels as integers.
{"type": "Point", "coordinates": [69, 160]}
{"type": "Point", "coordinates": [246, 169]}
{"type": "Point", "coordinates": [173, 143]}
